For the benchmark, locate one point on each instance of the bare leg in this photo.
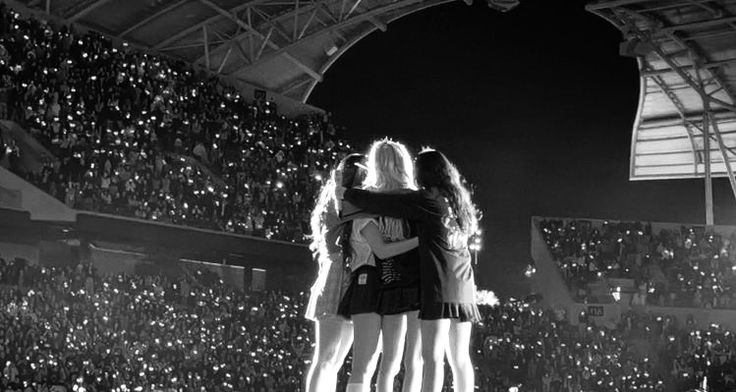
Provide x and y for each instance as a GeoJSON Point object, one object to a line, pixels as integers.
{"type": "Point", "coordinates": [393, 332]}
{"type": "Point", "coordinates": [367, 331]}
{"type": "Point", "coordinates": [413, 354]}
{"type": "Point", "coordinates": [458, 354]}
{"type": "Point", "coordinates": [334, 336]}
{"type": "Point", "coordinates": [434, 342]}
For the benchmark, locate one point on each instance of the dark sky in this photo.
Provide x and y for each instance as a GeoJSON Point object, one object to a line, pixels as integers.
{"type": "Point", "coordinates": [535, 106]}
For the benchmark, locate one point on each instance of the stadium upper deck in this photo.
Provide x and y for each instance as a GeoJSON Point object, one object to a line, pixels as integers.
{"type": "Point", "coordinates": [284, 46]}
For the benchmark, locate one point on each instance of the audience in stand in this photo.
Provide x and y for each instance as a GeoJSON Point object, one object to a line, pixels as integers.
{"type": "Point", "coordinates": [71, 328]}
{"type": "Point", "coordinates": [146, 136]}
{"type": "Point", "coordinates": [523, 345]}
{"type": "Point", "coordinates": [670, 267]}
{"type": "Point", "coordinates": [74, 329]}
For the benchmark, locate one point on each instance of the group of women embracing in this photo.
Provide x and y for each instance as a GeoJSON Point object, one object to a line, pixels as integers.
{"type": "Point", "coordinates": [395, 275]}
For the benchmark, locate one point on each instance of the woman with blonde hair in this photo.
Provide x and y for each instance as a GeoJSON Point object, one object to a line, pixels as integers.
{"type": "Point", "coordinates": [333, 333]}
{"type": "Point", "coordinates": [384, 299]}
{"type": "Point", "coordinates": [446, 218]}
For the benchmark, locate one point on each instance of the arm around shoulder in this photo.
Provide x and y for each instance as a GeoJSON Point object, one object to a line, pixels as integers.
{"type": "Point", "coordinates": [384, 249]}
{"type": "Point", "coordinates": [407, 205]}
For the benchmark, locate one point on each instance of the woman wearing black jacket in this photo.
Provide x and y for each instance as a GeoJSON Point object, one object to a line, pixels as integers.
{"type": "Point", "coordinates": [445, 217]}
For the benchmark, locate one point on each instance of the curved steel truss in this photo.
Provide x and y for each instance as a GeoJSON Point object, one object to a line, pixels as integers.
{"type": "Point", "coordinates": [686, 121]}
{"type": "Point", "coordinates": [284, 46]}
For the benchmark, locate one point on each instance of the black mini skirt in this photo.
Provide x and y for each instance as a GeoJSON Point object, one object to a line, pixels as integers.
{"type": "Point", "coordinates": [362, 294]}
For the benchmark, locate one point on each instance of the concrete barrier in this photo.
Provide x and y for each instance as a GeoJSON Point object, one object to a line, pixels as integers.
{"type": "Point", "coordinates": [38, 203]}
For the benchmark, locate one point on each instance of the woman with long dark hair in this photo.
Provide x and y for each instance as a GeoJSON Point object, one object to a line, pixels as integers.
{"type": "Point", "coordinates": [446, 218]}
{"type": "Point", "coordinates": [333, 333]}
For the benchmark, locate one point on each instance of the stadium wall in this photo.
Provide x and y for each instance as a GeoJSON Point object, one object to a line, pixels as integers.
{"type": "Point", "coordinates": [547, 280]}
{"type": "Point", "coordinates": [698, 318]}
{"type": "Point", "coordinates": [114, 261]}
{"type": "Point", "coordinates": [39, 204]}
{"type": "Point", "coordinates": [233, 275]}
{"type": "Point", "coordinates": [34, 153]}
{"type": "Point", "coordinates": [10, 251]}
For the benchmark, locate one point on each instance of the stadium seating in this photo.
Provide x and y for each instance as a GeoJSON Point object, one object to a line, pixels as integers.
{"type": "Point", "coordinates": [676, 266]}
{"type": "Point", "coordinates": [72, 327]}
{"type": "Point", "coordinates": [143, 135]}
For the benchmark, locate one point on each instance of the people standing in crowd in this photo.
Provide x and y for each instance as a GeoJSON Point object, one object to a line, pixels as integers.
{"type": "Point", "coordinates": [446, 217]}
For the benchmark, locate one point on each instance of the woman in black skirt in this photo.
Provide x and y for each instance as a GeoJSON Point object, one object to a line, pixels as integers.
{"type": "Point", "coordinates": [383, 300]}
{"type": "Point", "coordinates": [445, 217]}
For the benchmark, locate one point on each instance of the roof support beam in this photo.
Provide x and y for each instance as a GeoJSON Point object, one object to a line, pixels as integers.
{"type": "Point", "coordinates": [231, 42]}
{"type": "Point", "coordinates": [613, 4]}
{"type": "Point", "coordinates": [296, 21]}
{"type": "Point", "coordinates": [621, 3]}
{"type": "Point", "coordinates": [306, 25]}
{"type": "Point", "coordinates": [195, 27]}
{"type": "Point", "coordinates": [685, 76]}
{"type": "Point", "coordinates": [685, 121]}
{"type": "Point", "coordinates": [94, 5]}
{"type": "Point", "coordinates": [350, 11]}
{"type": "Point", "coordinates": [151, 17]}
{"type": "Point", "coordinates": [712, 64]}
{"type": "Point", "coordinates": [266, 40]}
{"type": "Point", "coordinates": [681, 111]}
{"type": "Point", "coordinates": [695, 57]}
{"type": "Point", "coordinates": [294, 85]}
{"type": "Point", "coordinates": [336, 26]}
{"type": "Point", "coordinates": [698, 25]}
{"type": "Point", "coordinates": [722, 148]}
{"type": "Point", "coordinates": [206, 48]}
{"type": "Point", "coordinates": [710, 121]}
{"type": "Point", "coordinates": [224, 60]}
{"type": "Point", "coordinates": [272, 21]}
{"type": "Point", "coordinates": [195, 44]}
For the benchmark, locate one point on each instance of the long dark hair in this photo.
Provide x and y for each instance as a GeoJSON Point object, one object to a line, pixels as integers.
{"type": "Point", "coordinates": [435, 170]}
{"type": "Point", "coordinates": [325, 206]}
{"type": "Point", "coordinates": [352, 176]}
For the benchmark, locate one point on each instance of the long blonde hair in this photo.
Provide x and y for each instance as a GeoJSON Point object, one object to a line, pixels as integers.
{"type": "Point", "coordinates": [325, 205]}
{"type": "Point", "coordinates": [390, 167]}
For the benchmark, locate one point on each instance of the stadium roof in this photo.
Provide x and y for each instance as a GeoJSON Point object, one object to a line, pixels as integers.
{"type": "Point", "coordinates": [283, 46]}
{"type": "Point", "coordinates": [686, 50]}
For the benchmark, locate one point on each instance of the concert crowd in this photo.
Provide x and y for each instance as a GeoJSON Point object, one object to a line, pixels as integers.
{"type": "Point", "coordinates": [67, 327]}
{"type": "Point", "coordinates": [670, 267]}
{"type": "Point", "coordinates": [147, 136]}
